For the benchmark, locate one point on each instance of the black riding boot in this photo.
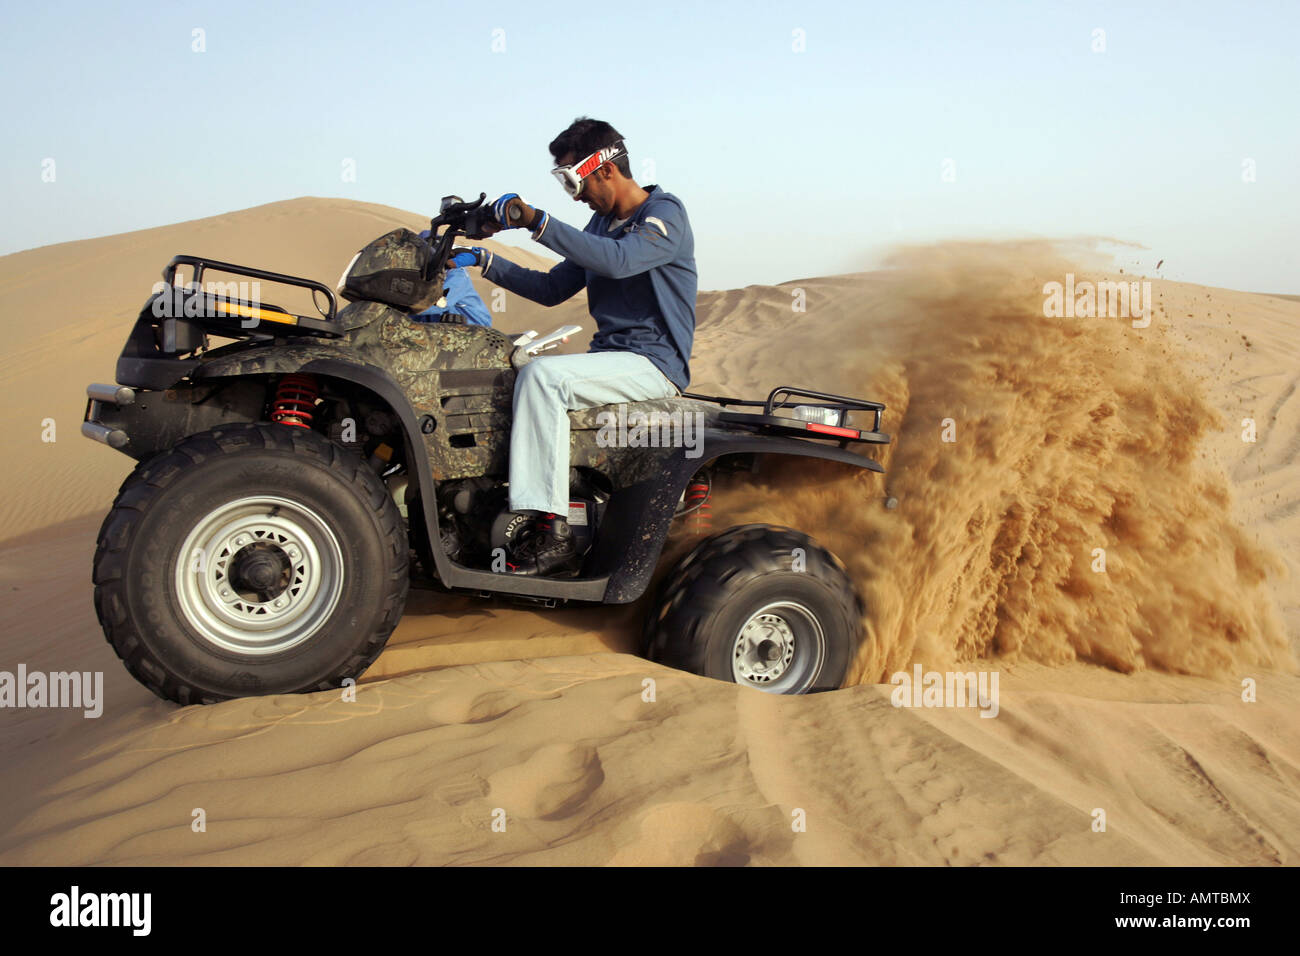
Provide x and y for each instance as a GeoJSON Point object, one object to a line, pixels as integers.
{"type": "Point", "coordinates": [549, 549]}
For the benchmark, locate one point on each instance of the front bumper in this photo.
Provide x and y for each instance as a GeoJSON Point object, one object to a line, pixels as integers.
{"type": "Point", "coordinates": [101, 398]}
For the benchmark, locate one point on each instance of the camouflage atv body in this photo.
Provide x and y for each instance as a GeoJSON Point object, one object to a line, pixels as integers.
{"type": "Point", "coordinates": [402, 428]}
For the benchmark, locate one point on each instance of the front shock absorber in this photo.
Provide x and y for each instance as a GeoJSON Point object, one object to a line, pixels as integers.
{"type": "Point", "coordinates": [295, 401]}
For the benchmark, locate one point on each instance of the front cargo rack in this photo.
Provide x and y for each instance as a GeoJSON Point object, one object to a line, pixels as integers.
{"type": "Point", "coordinates": [243, 316]}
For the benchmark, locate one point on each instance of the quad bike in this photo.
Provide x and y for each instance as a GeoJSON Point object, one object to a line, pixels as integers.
{"type": "Point", "coordinates": [263, 543]}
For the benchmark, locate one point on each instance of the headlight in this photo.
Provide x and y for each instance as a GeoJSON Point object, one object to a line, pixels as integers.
{"type": "Point", "coordinates": [817, 413]}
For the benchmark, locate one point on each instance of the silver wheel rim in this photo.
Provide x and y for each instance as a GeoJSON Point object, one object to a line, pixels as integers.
{"type": "Point", "coordinates": [779, 649]}
{"type": "Point", "coordinates": [259, 575]}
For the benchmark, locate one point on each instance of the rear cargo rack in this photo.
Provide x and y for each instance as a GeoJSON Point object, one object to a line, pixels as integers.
{"type": "Point", "coordinates": [780, 397]}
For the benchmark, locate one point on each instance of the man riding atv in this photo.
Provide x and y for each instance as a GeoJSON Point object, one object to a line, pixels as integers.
{"type": "Point", "coordinates": [636, 259]}
{"type": "Point", "coordinates": [287, 465]}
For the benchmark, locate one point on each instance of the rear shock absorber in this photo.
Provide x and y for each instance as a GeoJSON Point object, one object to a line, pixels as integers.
{"type": "Point", "coordinates": [295, 401]}
{"type": "Point", "coordinates": [699, 507]}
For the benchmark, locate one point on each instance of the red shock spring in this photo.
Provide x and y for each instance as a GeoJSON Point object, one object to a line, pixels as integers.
{"type": "Point", "coordinates": [295, 401]}
{"type": "Point", "coordinates": [699, 498]}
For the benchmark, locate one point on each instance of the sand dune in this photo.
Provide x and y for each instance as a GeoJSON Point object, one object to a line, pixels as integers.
{"type": "Point", "coordinates": [587, 772]}
{"type": "Point", "coordinates": [1120, 692]}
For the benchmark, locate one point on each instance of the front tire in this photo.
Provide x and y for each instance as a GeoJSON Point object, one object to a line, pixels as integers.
{"type": "Point", "coordinates": [761, 606]}
{"type": "Point", "coordinates": [251, 559]}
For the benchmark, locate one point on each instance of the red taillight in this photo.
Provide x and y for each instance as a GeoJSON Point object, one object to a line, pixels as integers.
{"type": "Point", "coordinates": [833, 430]}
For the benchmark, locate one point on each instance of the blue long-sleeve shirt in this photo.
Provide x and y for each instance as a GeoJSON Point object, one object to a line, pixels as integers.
{"type": "Point", "coordinates": [640, 280]}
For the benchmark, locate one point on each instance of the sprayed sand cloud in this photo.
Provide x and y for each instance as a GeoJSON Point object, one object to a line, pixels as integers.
{"type": "Point", "coordinates": [1030, 450]}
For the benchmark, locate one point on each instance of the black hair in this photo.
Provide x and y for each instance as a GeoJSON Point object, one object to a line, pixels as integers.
{"type": "Point", "coordinates": [586, 135]}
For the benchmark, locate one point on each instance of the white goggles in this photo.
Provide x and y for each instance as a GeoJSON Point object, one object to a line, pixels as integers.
{"type": "Point", "coordinates": [571, 177]}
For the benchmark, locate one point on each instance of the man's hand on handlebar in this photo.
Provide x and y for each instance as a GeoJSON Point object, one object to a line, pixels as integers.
{"type": "Point", "coordinates": [463, 256]}
{"type": "Point", "coordinates": [513, 213]}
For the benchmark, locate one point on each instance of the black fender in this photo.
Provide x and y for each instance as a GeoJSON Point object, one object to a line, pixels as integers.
{"type": "Point", "coordinates": [632, 533]}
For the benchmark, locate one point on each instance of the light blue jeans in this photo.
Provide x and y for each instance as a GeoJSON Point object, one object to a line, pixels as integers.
{"type": "Point", "coordinates": [546, 390]}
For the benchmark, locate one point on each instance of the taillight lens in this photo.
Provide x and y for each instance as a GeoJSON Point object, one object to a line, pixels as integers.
{"type": "Point", "coordinates": [818, 413]}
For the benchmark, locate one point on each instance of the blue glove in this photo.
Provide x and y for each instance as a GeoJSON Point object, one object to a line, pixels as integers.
{"type": "Point", "coordinates": [525, 216]}
{"type": "Point", "coordinates": [499, 211]}
{"type": "Point", "coordinates": [463, 256]}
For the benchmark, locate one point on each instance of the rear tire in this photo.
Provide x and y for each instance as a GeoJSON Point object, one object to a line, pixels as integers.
{"type": "Point", "coordinates": [251, 559]}
{"type": "Point", "coordinates": [741, 607]}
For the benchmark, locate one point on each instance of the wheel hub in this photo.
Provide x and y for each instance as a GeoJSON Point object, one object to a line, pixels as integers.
{"type": "Point", "coordinates": [262, 568]}
{"type": "Point", "coordinates": [764, 648]}
{"type": "Point", "coordinates": [780, 648]}
{"type": "Point", "coordinates": [259, 575]}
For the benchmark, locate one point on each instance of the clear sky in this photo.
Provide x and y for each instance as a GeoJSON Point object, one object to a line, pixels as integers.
{"type": "Point", "coordinates": [804, 138]}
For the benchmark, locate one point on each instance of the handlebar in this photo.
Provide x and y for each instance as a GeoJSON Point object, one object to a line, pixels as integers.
{"type": "Point", "coordinates": [469, 219]}
{"type": "Point", "coordinates": [462, 218]}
